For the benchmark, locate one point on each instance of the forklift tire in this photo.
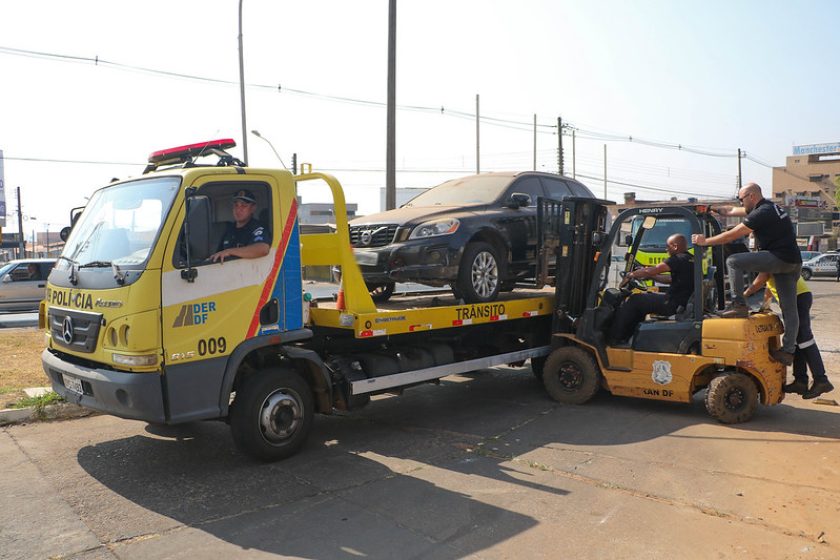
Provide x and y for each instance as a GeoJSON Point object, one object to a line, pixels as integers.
{"type": "Point", "coordinates": [732, 398]}
{"type": "Point", "coordinates": [272, 414]}
{"type": "Point", "coordinates": [570, 375]}
{"type": "Point", "coordinates": [537, 366]}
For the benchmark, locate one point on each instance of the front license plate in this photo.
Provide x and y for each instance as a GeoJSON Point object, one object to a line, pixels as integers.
{"type": "Point", "coordinates": [72, 383]}
{"type": "Point", "coordinates": [366, 258]}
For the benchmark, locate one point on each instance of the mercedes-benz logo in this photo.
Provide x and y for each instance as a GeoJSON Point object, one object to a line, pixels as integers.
{"type": "Point", "coordinates": [67, 330]}
{"type": "Point", "coordinates": [365, 237]}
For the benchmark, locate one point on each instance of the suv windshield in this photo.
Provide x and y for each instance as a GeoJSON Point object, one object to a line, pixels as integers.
{"type": "Point", "coordinates": [120, 224]}
{"type": "Point", "coordinates": [464, 191]}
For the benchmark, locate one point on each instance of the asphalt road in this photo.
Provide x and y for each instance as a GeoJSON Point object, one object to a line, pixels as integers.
{"type": "Point", "coordinates": [481, 466]}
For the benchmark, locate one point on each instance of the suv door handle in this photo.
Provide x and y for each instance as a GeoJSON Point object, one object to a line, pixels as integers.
{"type": "Point", "coordinates": [42, 285]}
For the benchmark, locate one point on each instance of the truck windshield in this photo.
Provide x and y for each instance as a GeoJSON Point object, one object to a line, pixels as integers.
{"type": "Point", "coordinates": [657, 237]}
{"type": "Point", "coordinates": [120, 224]}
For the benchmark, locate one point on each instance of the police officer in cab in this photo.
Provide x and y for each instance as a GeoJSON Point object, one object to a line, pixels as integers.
{"type": "Point", "coordinates": [245, 237]}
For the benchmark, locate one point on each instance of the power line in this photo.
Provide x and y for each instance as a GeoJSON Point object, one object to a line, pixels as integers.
{"type": "Point", "coordinates": [493, 121]}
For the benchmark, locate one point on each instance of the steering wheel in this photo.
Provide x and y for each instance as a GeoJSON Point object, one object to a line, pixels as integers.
{"type": "Point", "coordinates": [631, 283]}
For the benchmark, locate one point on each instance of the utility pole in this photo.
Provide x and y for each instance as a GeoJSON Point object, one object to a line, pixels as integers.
{"type": "Point", "coordinates": [391, 140]}
{"type": "Point", "coordinates": [21, 242]}
{"type": "Point", "coordinates": [605, 172]}
{"type": "Point", "coordinates": [535, 141]}
{"type": "Point", "coordinates": [560, 144]}
{"type": "Point", "coordinates": [242, 90]}
{"type": "Point", "coordinates": [477, 138]}
{"type": "Point", "coordinates": [739, 170]}
{"type": "Point", "coordinates": [574, 154]}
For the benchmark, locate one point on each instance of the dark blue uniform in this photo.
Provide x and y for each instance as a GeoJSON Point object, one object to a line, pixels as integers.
{"type": "Point", "coordinates": [252, 232]}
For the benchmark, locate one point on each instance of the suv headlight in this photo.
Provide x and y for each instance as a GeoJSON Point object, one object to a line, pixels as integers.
{"type": "Point", "coordinates": [433, 229]}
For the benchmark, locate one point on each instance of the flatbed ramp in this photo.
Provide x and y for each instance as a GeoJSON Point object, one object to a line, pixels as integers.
{"type": "Point", "coordinates": [431, 311]}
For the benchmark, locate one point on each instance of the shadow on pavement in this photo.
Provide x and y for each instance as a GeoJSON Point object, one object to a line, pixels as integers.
{"type": "Point", "coordinates": [382, 478]}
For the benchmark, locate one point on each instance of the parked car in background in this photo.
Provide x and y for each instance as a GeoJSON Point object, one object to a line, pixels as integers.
{"type": "Point", "coordinates": [823, 265]}
{"type": "Point", "coordinates": [476, 234]}
{"type": "Point", "coordinates": [23, 283]}
{"type": "Point", "coordinates": [808, 255]}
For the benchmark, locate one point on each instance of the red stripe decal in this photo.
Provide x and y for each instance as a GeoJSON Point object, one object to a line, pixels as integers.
{"type": "Point", "coordinates": [268, 287]}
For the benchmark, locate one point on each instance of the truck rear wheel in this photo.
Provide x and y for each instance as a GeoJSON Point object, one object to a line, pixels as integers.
{"type": "Point", "coordinates": [732, 398]}
{"type": "Point", "coordinates": [570, 375]}
{"type": "Point", "coordinates": [272, 414]}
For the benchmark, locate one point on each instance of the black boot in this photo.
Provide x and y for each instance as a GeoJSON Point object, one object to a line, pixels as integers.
{"type": "Point", "coordinates": [784, 358]}
{"type": "Point", "coordinates": [798, 387]}
{"type": "Point", "coordinates": [736, 311]}
{"type": "Point", "coordinates": [818, 388]}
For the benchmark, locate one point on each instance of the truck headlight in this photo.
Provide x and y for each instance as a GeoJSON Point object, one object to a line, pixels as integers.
{"type": "Point", "coordinates": [433, 229]}
{"type": "Point", "coordinates": [135, 360]}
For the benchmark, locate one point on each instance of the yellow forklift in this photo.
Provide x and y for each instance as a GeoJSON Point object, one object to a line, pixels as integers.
{"type": "Point", "coordinates": [668, 358]}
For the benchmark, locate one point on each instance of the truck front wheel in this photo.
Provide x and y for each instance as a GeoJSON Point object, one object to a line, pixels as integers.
{"type": "Point", "coordinates": [272, 414]}
{"type": "Point", "coordinates": [571, 375]}
{"type": "Point", "coordinates": [732, 398]}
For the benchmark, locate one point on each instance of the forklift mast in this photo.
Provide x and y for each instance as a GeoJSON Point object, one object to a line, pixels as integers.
{"type": "Point", "coordinates": [570, 233]}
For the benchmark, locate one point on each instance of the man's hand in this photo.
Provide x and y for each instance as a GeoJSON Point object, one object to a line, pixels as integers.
{"type": "Point", "coordinates": [220, 256]}
{"type": "Point", "coordinates": [698, 239]}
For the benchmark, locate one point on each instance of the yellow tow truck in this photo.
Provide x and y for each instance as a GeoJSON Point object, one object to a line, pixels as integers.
{"type": "Point", "coordinates": [142, 324]}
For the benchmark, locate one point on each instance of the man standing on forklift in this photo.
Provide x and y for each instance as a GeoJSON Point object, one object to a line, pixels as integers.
{"type": "Point", "coordinates": [680, 263]}
{"type": "Point", "coordinates": [778, 254]}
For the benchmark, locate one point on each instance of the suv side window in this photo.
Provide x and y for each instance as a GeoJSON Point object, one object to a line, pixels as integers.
{"type": "Point", "coordinates": [579, 189]}
{"type": "Point", "coordinates": [556, 189]}
{"type": "Point", "coordinates": [527, 185]}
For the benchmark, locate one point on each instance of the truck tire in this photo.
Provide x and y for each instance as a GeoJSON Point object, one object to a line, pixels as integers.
{"type": "Point", "coordinates": [480, 273]}
{"type": "Point", "coordinates": [272, 414]}
{"type": "Point", "coordinates": [570, 375]}
{"type": "Point", "coordinates": [732, 398]}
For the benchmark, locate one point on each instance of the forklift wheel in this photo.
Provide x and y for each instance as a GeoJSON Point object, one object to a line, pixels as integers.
{"type": "Point", "coordinates": [571, 375]}
{"type": "Point", "coordinates": [732, 398]}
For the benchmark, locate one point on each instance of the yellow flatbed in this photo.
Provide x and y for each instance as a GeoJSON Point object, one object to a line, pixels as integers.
{"type": "Point", "coordinates": [431, 311]}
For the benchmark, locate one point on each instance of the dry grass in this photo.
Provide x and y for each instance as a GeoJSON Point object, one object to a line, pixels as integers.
{"type": "Point", "coordinates": [20, 352]}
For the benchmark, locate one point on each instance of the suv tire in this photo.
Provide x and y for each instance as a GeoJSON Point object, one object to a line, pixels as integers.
{"type": "Point", "coordinates": [480, 273]}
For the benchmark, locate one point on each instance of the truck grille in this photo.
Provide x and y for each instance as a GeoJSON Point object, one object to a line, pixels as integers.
{"type": "Point", "coordinates": [372, 235]}
{"type": "Point", "coordinates": [74, 330]}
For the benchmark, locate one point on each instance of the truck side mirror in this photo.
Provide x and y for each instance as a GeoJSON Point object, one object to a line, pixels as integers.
{"type": "Point", "coordinates": [198, 224]}
{"type": "Point", "coordinates": [64, 233]}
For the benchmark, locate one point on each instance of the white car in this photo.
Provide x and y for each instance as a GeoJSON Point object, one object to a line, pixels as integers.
{"type": "Point", "coordinates": [824, 265]}
{"type": "Point", "coordinates": [23, 283]}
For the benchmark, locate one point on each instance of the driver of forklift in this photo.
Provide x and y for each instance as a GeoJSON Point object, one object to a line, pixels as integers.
{"type": "Point", "coordinates": [680, 264]}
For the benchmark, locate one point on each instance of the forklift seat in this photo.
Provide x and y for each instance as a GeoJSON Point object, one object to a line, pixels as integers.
{"type": "Point", "coordinates": [673, 337]}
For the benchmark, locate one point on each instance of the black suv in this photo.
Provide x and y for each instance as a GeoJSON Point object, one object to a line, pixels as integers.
{"type": "Point", "coordinates": [477, 234]}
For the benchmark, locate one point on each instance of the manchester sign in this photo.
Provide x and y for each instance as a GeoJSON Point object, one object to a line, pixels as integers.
{"type": "Point", "coordinates": [813, 149]}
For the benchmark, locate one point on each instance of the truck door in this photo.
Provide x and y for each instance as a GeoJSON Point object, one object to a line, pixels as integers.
{"type": "Point", "coordinates": [211, 308]}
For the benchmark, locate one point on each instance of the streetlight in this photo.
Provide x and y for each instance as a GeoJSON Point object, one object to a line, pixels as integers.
{"type": "Point", "coordinates": [261, 137]}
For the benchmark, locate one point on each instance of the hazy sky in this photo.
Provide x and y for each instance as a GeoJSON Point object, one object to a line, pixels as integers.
{"type": "Point", "coordinates": [712, 75]}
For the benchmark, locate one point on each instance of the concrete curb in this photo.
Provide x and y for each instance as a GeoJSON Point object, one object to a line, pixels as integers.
{"type": "Point", "coordinates": [57, 411]}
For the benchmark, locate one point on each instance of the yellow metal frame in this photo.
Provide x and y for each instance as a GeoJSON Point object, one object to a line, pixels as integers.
{"type": "Point", "coordinates": [326, 249]}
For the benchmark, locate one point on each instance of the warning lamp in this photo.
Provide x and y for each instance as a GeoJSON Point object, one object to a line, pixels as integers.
{"type": "Point", "coordinates": [185, 154]}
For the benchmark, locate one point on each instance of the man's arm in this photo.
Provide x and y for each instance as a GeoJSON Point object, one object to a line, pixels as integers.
{"type": "Point", "coordinates": [650, 271]}
{"type": "Point", "coordinates": [757, 284]}
{"type": "Point", "coordinates": [738, 211]}
{"type": "Point", "coordinates": [248, 252]}
{"type": "Point", "coordinates": [741, 230]}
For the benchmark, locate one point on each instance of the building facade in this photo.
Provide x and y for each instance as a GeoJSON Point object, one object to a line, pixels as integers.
{"type": "Point", "coordinates": [807, 185]}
